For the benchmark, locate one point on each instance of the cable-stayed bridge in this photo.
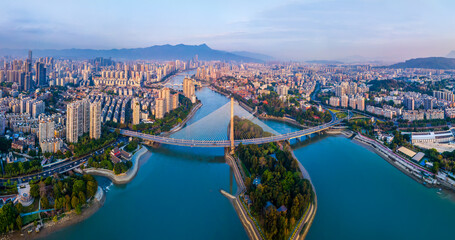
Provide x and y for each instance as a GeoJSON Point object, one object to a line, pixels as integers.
{"type": "Point", "coordinates": [215, 133]}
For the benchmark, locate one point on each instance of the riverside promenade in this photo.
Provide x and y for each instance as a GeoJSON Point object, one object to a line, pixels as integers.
{"type": "Point", "coordinates": [124, 177]}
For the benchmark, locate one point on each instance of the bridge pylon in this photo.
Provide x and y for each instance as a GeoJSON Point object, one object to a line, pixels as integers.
{"type": "Point", "coordinates": [231, 130]}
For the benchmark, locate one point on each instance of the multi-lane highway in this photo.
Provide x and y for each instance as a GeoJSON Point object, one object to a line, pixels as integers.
{"type": "Point", "coordinates": [58, 168]}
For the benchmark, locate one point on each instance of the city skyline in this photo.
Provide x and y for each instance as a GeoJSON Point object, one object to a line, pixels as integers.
{"type": "Point", "coordinates": [290, 30]}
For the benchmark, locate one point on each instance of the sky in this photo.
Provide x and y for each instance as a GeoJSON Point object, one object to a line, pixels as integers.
{"type": "Point", "coordinates": [286, 30]}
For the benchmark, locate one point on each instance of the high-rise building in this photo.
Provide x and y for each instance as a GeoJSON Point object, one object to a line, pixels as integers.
{"type": "Point", "coordinates": [46, 128]}
{"type": "Point", "coordinates": [339, 91]}
{"type": "Point", "coordinates": [175, 101]}
{"type": "Point", "coordinates": [353, 102]}
{"type": "Point", "coordinates": [85, 104]}
{"type": "Point", "coordinates": [188, 87]}
{"type": "Point", "coordinates": [360, 103]}
{"type": "Point", "coordinates": [159, 108]}
{"type": "Point", "coordinates": [409, 103]}
{"type": "Point", "coordinates": [165, 93]}
{"type": "Point", "coordinates": [344, 101]}
{"type": "Point", "coordinates": [40, 74]}
{"type": "Point", "coordinates": [38, 107]}
{"type": "Point", "coordinates": [72, 122]}
{"type": "Point", "coordinates": [95, 120]}
{"type": "Point", "coordinates": [334, 101]}
{"type": "Point", "coordinates": [282, 90]}
{"type": "Point", "coordinates": [428, 103]}
{"type": "Point", "coordinates": [135, 104]}
{"type": "Point", "coordinates": [78, 119]}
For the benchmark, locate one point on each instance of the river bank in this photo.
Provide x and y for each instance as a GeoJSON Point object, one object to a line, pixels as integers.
{"type": "Point", "coordinates": [410, 170]}
{"type": "Point", "coordinates": [245, 217]}
{"type": "Point", "coordinates": [183, 123]}
{"type": "Point", "coordinates": [308, 218]}
{"type": "Point", "coordinates": [124, 177]}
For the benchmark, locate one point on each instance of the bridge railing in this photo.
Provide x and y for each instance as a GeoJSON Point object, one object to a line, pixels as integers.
{"type": "Point", "coordinates": [220, 143]}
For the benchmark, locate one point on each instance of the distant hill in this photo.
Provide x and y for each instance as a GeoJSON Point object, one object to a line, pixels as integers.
{"type": "Point", "coordinates": [158, 52]}
{"type": "Point", "coordinates": [259, 56]}
{"type": "Point", "coordinates": [451, 54]}
{"type": "Point", "coordinates": [429, 63]}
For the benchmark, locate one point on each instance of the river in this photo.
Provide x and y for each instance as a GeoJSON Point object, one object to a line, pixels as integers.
{"type": "Point", "coordinates": [176, 195]}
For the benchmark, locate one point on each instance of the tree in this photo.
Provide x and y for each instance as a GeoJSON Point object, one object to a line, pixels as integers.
{"type": "Point", "coordinates": [19, 207]}
{"type": "Point", "coordinates": [34, 190]}
{"type": "Point", "coordinates": [45, 202]}
{"type": "Point", "coordinates": [78, 209]}
{"type": "Point", "coordinates": [435, 168]}
{"type": "Point", "coordinates": [68, 154]}
{"type": "Point", "coordinates": [118, 168]}
{"type": "Point", "coordinates": [8, 217]}
{"type": "Point", "coordinates": [92, 187]}
{"type": "Point", "coordinates": [55, 219]}
{"type": "Point", "coordinates": [19, 222]}
{"type": "Point", "coordinates": [74, 202]}
{"type": "Point", "coordinates": [79, 186]}
{"type": "Point", "coordinates": [82, 197]}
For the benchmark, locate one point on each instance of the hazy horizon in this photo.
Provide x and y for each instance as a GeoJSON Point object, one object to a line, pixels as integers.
{"type": "Point", "coordinates": [287, 30]}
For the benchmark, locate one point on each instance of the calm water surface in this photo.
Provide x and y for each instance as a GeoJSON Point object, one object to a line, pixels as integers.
{"type": "Point", "coordinates": [176, 194]}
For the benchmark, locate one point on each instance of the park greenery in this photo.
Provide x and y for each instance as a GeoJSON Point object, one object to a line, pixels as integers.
{"type": "Point", "coordinates": [169, 120]}
{"type": "Point", "coordinates": [62, 195]}
{"type": "Point", "coordinates": [15, 169]}
{"type": "Point", "coordinates": [245, 129]}
{"type": "Point", "coordinates": [85, 145]}
{"type": "Point", "coordinates": [272, 105]}
{"type": "Point", "coordinates": [104, 161]}
{"type": "Point", "coordinates": [281, 184]}
{"type": "Point", "coordinates": [131, 146]}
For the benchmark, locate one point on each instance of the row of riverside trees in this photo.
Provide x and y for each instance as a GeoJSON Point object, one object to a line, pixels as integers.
{"type": "Point", "coordinates": [86, 145]}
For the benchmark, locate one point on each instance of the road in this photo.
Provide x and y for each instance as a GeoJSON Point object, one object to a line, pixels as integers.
{"type": "Point", "coordinates": [59, 168]}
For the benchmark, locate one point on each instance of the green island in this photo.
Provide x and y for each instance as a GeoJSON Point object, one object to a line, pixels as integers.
{"type": "Point", "coordinates": [276, 193]}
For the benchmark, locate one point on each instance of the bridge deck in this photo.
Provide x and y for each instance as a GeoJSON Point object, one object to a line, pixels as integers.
{"type": "Point", "coordinates": [226, 143]}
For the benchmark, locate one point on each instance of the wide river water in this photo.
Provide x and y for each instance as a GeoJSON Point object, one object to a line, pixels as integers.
{"type": "Point", "coordinates": [176, 194]}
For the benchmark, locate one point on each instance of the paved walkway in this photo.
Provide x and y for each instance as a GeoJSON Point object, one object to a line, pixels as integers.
{"type": "Point", "coordinates": [124, 177]}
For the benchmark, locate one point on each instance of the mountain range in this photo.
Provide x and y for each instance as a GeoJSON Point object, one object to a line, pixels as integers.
{"type": "Point", "coordinates": [157, 52]}
{"type": "Point", "coordinates": [428, 63]}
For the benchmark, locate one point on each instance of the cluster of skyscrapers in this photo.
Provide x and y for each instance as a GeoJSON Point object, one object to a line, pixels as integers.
{"type": "Point", "coordinates": [82, 117]}
{"type": "Point", "coordinates": [189, 89]}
